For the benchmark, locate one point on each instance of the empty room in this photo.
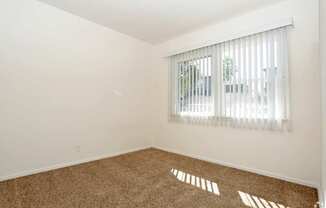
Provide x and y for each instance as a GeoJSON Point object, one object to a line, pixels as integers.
{"type": "Point", "coordinates": [165, 103]}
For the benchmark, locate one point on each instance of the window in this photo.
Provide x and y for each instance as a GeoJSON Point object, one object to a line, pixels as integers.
{"type": "Point", "coordinates": [242, 82]}
{"type": "Point", "coordinates": [194, 86]}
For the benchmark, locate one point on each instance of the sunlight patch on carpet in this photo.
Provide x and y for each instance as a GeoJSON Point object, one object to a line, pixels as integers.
{"type": "Point", "coordinates": [196, 181]}
{"type": "Point", "coordinates": [257, 202]}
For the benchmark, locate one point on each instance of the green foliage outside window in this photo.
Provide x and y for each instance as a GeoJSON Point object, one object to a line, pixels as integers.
{"type": "Point", "coordinates": [228, 69]}
{"type": "Point", "coordinates": [189, 76]}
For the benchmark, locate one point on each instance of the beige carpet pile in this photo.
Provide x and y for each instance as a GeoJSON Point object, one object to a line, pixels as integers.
{"type": "Point", "coordinates": [152, 178]}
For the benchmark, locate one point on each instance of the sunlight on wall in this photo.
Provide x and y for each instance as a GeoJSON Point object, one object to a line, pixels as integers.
{"type": "Point", "coordinates": [257, 202]}
{"type": "Point", "coordinates": [196, 181]}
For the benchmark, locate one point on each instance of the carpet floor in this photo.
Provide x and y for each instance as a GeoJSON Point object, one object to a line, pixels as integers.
{"type": "Point", "coordinates": [152, 178]}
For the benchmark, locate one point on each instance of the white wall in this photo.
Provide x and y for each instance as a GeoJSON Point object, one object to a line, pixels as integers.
{"type": "Point", "coordinates": [70, 89]}
{"type": "Point", "coordinates": [323, 69]}
{"type": "Point", "coordinates": [294, 156]}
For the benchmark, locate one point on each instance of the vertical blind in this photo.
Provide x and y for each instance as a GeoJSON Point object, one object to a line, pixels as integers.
{"type": "Point", "coordinates": [241, 83]}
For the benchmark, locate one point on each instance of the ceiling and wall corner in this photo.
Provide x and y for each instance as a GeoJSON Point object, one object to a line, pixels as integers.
{"type": "Point", "coordinates": [157, 21]}
{"type": "Point", "coordinates": [71, 90]}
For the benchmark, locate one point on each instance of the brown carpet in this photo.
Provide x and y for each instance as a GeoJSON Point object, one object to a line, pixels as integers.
{"type": "Point", "coordinates": [152, 178]}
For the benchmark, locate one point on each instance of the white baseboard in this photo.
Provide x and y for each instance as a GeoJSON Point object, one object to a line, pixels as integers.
{"type": "Point", "coordinates": [67, 164]}
{"type": "Point", "coordinates": [71, 163]}
{"type": "Point", "coordinates": [253, 170]}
